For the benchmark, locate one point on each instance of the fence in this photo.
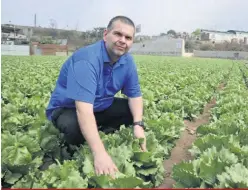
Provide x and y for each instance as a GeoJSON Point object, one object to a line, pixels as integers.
{"type": "Point", "coordinates": [48, 49]}
{"type": "Point", "coordinates": [15, 49]}
{"type": "Point", "coordinates": [221, 54]}
{"type": "Point", "coordinates": [34, 49]}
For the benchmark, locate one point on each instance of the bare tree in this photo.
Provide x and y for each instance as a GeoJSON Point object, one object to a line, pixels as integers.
{"type": "Point", "coordinates": [52, 24]}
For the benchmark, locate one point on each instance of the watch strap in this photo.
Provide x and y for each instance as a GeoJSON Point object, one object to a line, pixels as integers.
{"type": "Point", "coordinates": [140, 123]}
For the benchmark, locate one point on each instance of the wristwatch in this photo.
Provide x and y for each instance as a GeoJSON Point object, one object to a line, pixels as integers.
{"type": "Point", "coordinates": [140, 123]}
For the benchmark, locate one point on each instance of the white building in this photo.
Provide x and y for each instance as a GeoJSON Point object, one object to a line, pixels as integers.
{"type": "Point", "coordinates": [10, 31]}
{"type": "Point", "coordinates": [221, 36]}
{"type": "Point", "coordinates": [13, 42]}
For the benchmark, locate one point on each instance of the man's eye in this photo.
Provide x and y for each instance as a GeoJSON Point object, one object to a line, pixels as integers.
{"type": "Point", "coordinates": [118, 34]}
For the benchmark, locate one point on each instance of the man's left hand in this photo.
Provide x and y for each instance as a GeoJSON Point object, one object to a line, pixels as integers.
{"type": "Point", "coordinates": [140, 133]}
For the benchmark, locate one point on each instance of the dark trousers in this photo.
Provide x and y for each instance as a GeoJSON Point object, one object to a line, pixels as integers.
{"type": "Point", "coordinates": [65, 119]}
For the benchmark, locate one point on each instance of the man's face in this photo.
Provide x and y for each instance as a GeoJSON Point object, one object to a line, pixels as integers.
{"type": "Point", "coordinates": [120, 39]}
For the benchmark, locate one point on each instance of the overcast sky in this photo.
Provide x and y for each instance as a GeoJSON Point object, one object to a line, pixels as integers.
{"type": "Point", "coordinates": [155, 16]}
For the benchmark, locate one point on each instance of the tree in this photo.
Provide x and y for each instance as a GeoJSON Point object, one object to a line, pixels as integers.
{"type": "Point", "coordinates": [206, 47]}
{"type": "Point", "coordinates": [99, 32]}
{"type": "Point", "coordinates": [189, 46]}
{"type": "Point", "coordinates": [172, 32]}
{"type": "Point", "coordinates": [197, 32]}
{"type": "Point", "coordinates": [53, 26]}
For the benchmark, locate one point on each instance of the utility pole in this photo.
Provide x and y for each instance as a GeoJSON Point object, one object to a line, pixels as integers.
{"type": "Point", "coordinates": [35, 20]}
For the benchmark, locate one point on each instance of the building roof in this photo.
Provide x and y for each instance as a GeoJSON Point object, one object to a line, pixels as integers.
{"type": "Point", "coordinates": [225, 32]}
{"type": "Point", "coordinates": [215, 31]}
{"type": "Point", "coordinates": [7, 28]}
{"type": "Point", "coordinates": [237, 31]}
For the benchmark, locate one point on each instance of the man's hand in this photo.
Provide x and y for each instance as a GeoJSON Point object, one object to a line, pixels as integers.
{"type": "Point", "coordinates": [104, 165]}
{"type": "Point", "coordinates": [102, 162]}
{"type": "Point", "coordinates": [140, 133]}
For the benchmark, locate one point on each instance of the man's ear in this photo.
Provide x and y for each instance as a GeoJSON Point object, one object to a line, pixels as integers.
{"type": "Point", "coordinates": [105, 34]}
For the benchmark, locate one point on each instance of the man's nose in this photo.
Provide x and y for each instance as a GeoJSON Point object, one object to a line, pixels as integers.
{"type": "Point", "coordinates": [123, 39]}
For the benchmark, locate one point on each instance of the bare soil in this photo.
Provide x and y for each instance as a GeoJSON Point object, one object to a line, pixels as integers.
{"type": "Point", "coordinates": [180, 152]}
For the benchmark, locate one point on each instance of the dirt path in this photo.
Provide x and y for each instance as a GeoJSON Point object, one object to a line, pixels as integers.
{"type": "Point", "coordinates": [188, 136]}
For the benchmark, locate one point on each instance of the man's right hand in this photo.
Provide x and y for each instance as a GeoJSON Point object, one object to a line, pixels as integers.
{"type": "Point", "coordinates": [104, 164]}
{"type": "Point", "coordinates": [102, 161]}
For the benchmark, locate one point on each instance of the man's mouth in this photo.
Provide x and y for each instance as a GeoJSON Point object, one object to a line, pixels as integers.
{"type": "Point", "coordinates": [120, 47]}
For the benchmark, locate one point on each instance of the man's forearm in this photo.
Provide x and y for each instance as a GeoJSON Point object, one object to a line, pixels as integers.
{"type": "Point", "coordinates": [89, 130]}
{"type": "Point", "coordinates": [136, 108]}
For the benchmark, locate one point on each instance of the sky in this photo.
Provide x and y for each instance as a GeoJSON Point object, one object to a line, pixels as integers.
{"type": "Point", "coordinates": [155, 16]}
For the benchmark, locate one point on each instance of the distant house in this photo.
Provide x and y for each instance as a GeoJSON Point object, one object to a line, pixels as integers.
{"type": "Point", "coordinates": [13, 41]}
{"type": "Point", "coordinates": [222, 36]}
{"type": "Point", "coordinates": [10, 32]}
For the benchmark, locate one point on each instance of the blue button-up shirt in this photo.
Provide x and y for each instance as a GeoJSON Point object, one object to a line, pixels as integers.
{"type": "Point", "coordinates": [87, 76]}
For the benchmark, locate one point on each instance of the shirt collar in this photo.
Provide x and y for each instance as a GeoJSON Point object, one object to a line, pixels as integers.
{"type": "Point", "coordinates": [106, 58]}
{"type": "Point", "coordinates": [105, 55]}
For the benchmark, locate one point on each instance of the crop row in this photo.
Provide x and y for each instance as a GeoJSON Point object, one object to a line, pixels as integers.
{"type": "Point", "coordinates": [34, 154]}
{"type": "Point", "coordinates": [221, 150]}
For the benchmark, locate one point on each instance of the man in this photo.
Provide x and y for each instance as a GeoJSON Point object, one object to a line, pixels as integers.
{"type": "Point", "coordinates": [83, 98]}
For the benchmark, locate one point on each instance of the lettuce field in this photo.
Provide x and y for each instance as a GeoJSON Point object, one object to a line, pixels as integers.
{"type": "Point", "coordinates": [34, 154]}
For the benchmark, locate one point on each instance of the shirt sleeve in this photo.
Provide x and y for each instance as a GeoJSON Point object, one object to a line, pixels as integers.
{"type": "Point", "coordinates": [82, 81]}
{"type": "Point", "coordinates": [132, 87]}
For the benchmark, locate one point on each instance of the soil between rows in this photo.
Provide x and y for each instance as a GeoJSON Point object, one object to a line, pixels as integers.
{"type": "Point", "coordinates": [180, 152]}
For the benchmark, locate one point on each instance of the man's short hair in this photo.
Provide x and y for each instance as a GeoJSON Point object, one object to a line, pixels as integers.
{"type": "Point", "coordinates": [123, 19]}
